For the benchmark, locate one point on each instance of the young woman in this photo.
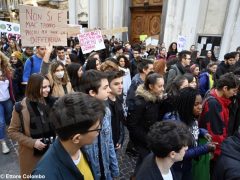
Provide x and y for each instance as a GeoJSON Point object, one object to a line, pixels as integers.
{"type": "Point", "coordinates": [13, 46]}
{"type": "Point", "coordinates": [178, 83]}
{"type": "Point", "coordinates": [6, 98]}
{"type": "Point", "coordinates": [172, 51]}
{"type": "Point", "coordinates": [124, 65]}
{"type": "Point", "coordinates": [192, 80]}
{"type": "Point", "coordinates": [74, 72]}
{"type": "Point", "coordinates": [160, 66]}
{"type": "Point", "coordinates": [210, 58]}
{"type": "Point", "coordinates": [17, 66]}
{"type": "Point", "coordinates": [145, 113]}
{"type": "Point", "coordinates": [188, 106]}
{"type": "Point", "coordinates": [93, 63]}
{"type": "Point", "coordinates": [30, 126]}
{"type": "Point", "coordinates": [207, 79]}
{"type": "Point", "coordinates": [59, 81]}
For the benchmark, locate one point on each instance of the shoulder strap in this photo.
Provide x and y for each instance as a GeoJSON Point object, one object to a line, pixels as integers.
{"type": "Point", "coordinates": [18, 108]}
{"type": "Point", "coordinates": [207, 97]}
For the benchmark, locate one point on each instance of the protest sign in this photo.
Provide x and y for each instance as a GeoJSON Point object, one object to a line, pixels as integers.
{"type": "Point", "coordinates": [110, 31]}
{"type": "Point", "coordinates": [143, 37]}
{"type": "Point", "coordinates": [43, 26]}
{"type": "Point", "coordinates": [91, 41]}
{"type": "Point", "coordinates": [9, 30]}
{"type": "Point", "coordinates": [73, 30]}
{"type": "Point", "coordinates": [182, 41]}
{"type": "Point", "coordinates": [148, 41]}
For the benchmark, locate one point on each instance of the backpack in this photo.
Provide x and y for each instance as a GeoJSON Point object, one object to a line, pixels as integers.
{"type": "Point", "coordinates": [18, 109]}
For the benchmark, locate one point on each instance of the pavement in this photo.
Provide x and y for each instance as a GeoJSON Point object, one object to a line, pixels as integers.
{"type": "Point", "coordinates": [9, 162]}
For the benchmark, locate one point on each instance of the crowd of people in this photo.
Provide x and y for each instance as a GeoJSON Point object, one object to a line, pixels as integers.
{"type": "Point", "coordinates": [69, 111]}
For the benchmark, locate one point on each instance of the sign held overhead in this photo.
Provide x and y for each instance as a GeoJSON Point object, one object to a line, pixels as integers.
{"type": "Point", "coordinates": [43, 26]}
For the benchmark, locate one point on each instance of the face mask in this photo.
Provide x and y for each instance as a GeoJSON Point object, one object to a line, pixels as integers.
{"type": "Point", "coordinates": [59, 74]}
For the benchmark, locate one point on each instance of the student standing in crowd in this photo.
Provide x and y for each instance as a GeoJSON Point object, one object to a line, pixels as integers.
{"type": "Point", "coordinates": [124, 65]}
{"type": "Point", "coordinates": [210, 58]}
{"type": "Point", "coordinates": [59, 80]}
{"type": "Point", "coordinates": [215, 114]}
{"type": "Point", "coordinates": [13, 46]}
{"type": "Point", "coordinates": [227, 65]}
{"type": "Point", "coordinates": [207, 79]}
{"type": "Point", "coordinates": [6, 98]}
{"type": "Point", "coordinates": [115, 79]}
{"type": "Point", "coordinates": [135, 60]}
{"type": "Point", "coordinates": [172, 51]}
{"type": "Point", "coordinates": [145, 113]}
{"type": "Point", "coordinates": [158, 164]}
{"type": "Point", "coordinates": [77, 120]}
{"type": "Point", "coordinates": [188, 107]}
{"type": "Point", "coordinates": [180, 67]}
{"type": "Point", "coordinates": [30, 125]}
{"type": "Point", "coordinates": [74, 71]}
{"type": "Point", "coordinates": [27, 53]}
{"type": "Point", "coordinates": [101, 153]}
{"type": "Point", "coordinates": [17, 66]}
{"type": "Point", "coordinates": [144, 68]}
{"type": "Point", "coordinates": [33, 64]}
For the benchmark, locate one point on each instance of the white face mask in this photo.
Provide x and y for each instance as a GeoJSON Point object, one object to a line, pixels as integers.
{"type": "Point", "coordinates": [59, 74]}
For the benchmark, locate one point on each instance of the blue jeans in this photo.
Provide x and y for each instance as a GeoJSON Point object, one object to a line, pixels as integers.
{"type": "Point", "coordinates": [6, 108]}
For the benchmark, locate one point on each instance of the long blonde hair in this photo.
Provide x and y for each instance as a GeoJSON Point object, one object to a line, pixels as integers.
{"type": "Point", "coordinates": [54, 65]}
{"type": "Point", "coordinates": [5, 65]}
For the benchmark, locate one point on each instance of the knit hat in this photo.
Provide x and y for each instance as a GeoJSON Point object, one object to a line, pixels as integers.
{"type": "Point", "coordinates": [192, 67]}
{"type": "Point", "coordinates": [17, 54]}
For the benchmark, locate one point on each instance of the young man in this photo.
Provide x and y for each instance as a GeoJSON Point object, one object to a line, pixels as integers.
{"type": "Point", "coordinates": [135, 60]}
{"type": "Point", "coordinates": [215, 114]}
{"type": "Point", "coordinates": [227, 65]}
{"type": "Point", "coordinates": [77, 50]}
{"type": "Point", "coordinates": [101, 153]}
{"type": "Point", "coordinates": [115, 79]}
{"type": "Point", "coordinates": [144, 68]}
{"type": "Point", "coordinates": [168, 141]}
{"type": "Point", "coordinates": [33, 64]}
{"type": "Point", "coordinates": [179, 68]}
{"type": "Point", "coordinates": [77, 120]}
{"type": "Point", "coordinates": [61, 56]}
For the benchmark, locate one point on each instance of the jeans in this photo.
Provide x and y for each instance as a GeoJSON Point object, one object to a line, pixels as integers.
{"type": "Point", "coordinates": [6, 108]}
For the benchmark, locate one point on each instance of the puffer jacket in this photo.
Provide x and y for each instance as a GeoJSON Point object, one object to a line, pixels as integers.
{"type": "Point", "coordinates": [144, 115]}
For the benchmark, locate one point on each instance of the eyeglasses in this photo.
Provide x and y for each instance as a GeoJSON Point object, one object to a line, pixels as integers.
{"type": "Point", "coordinates": [98, 129]}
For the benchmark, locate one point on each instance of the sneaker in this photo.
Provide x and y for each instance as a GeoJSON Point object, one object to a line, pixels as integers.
{"type": "Point", "coordinates": [5, 148]}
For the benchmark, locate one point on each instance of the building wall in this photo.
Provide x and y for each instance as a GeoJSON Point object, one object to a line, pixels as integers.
{"type": "Point", "coordinates": [191, 18]}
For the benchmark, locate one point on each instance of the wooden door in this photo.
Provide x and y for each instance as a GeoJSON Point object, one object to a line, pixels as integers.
{"type": "Point", "coordinates": [145, 19]}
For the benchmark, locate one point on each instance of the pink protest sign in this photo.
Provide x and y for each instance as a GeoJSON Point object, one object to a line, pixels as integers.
{"type": "Point", "coordinates": [91, 41]}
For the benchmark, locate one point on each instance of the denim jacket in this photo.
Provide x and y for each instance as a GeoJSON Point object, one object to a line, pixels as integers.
{"type": "Point", "coordinates": [109, 157]}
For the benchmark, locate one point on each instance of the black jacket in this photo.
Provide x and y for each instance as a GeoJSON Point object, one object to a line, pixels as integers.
{"type": "Point", "coordinates": [17, 80]}
{"type": "Point", "coordinates": [117, 120]}
{"type": "Point", "coordinates": [149, 170]}
{"type": "Point", "coordinates": [228, 164]}
{"type": "Point", "coordinates": [144, 115]}
{"type": "Point", "coordinates": [234, 115]}
{"type": "Point", "coordinates": [223, 69]}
